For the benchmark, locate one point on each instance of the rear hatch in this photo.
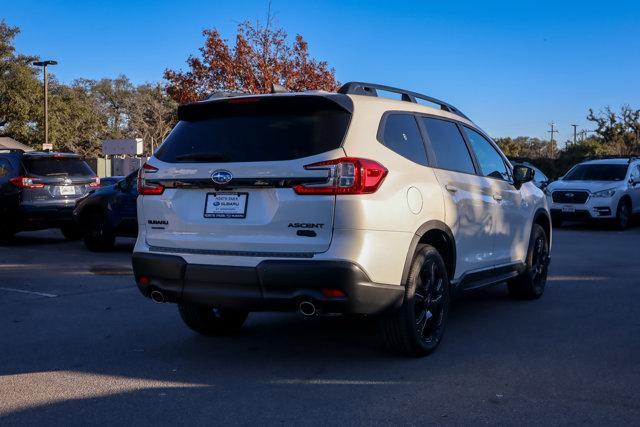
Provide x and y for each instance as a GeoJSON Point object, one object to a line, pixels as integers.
{"type": "Point", "coordinates": [55, 179]}
{"type": "Point", "coordinates": [228, 171]}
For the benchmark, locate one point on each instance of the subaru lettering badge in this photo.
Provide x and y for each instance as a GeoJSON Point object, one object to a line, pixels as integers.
{"type": "Point", "coordinates": [221, 176]}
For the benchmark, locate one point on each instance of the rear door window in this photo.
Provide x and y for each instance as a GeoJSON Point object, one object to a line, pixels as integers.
{"type": "Point", "coordinates": [448, 145]}
{"type": "Point", "coordinates": [56, 166]}
{"type": "Point", "coordinates": [402, 135]}
{"type": "Point", "coordinates": [491, 162]}
{"type": "Point", "coordinates": [256, 129]}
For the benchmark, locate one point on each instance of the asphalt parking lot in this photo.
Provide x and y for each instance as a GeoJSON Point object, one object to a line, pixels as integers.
{"type": "Point", "coordinates": [79, 345]}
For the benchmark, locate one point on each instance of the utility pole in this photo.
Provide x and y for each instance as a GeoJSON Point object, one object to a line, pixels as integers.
{"type": "Point", "coordinates": [44, 65]}
{"type": "Point", "coordinates": [552, 147]}
{"type": "Point", "coordinates": [575, 134]}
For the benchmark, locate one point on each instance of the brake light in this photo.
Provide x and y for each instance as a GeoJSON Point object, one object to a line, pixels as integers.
{"type": "Point", "coordinates": [348, 175]}
{"type": "Point", "coordinates": [95, 183]}
{"type": "Point", "coordinates": [145, 187]}
{"type": "Point", "coordinates": [26, 182]}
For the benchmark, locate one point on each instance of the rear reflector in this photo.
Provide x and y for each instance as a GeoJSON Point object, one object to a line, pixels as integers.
{"type": "Point", "coordinates": [146, 188]}
{"type": "Point", "coordinates": [347, 175]}
{"type": "Point", "coordinates": [144, 280]}
{"type": "Point", "coordinates": [333, 293]}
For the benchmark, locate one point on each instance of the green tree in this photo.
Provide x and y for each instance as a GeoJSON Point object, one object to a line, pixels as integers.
{"type": "Point", "coordinates": [20, 91]}
{"type": "Point", "coordinates": [75, 120]}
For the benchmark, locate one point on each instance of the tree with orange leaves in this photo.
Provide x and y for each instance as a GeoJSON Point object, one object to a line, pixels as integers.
{"type": "Point", "coordinates": [261, 57]}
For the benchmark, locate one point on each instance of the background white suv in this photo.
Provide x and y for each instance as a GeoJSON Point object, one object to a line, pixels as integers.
{"type": "Point", "coordinates": [337, 203]}
{"type": "Point", "coordinates": [597, 189]}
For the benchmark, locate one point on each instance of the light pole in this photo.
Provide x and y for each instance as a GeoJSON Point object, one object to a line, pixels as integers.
{"type": "Point", "coordinates": [44, 65]}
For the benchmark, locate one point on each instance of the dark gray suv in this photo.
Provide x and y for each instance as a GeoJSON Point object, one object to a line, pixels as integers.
{"type": "Point", "coordinates": [39, 190]}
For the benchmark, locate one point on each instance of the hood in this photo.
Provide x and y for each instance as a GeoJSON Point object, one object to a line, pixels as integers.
{"type": "Point", "coordinates": [591, 186]}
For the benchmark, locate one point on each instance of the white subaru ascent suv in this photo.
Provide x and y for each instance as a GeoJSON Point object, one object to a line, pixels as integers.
{"type": "Point", "coordinates": [603, 189]}
{"type": "Point", "coordinates": [342, 202]}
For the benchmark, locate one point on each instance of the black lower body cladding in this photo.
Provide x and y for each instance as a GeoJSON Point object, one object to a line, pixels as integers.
{"type": "Point", "coordinates": [273, 285]}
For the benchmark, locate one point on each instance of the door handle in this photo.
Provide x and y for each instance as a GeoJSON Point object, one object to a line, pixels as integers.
{"type": "Point", "coordinates": [450, 188]}
{"type": "Point", "coordinates": [497, 197]}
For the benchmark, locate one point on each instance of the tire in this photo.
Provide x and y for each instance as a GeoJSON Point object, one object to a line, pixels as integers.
{"type": "Point", "coordinates": [623, 215]}
{"type": "Point", "coordinates": [71, 232]}
{"type": "Point", "coordinates": [98, 236]}
{"type": "Point", "coordinates": [210, 321]}
{"type": "Point", "coordinates": [417, 327]}
{"type": "Point", "coordinates": [531, 283]}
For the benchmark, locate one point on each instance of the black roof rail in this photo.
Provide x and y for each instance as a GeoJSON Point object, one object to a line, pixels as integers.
{"type": "Point", "coordinates": [371, 89]}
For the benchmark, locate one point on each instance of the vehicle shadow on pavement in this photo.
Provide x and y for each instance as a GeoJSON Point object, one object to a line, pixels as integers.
{"type": "Point", "coordinates": [54, 237]}
{"type": "Point", "coordinates": [599, 226]}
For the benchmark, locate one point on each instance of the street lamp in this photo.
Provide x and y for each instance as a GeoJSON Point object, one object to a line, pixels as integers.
{"type": "Point", "coordinates": [44, 65]}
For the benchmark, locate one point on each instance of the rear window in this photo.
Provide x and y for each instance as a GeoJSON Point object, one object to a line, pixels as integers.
{"type": "Point", "coordinates": [52, 166]}
{"type": "Point", "coordinates": [597, 172]}
{"type": "Point", "coordinates": [256, 129]}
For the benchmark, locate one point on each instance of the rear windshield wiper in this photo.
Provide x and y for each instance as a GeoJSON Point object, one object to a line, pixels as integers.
{"type": "Point", "coordinates": [211, 157]}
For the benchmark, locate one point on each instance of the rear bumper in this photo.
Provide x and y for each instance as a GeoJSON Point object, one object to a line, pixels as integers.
{"type": "Point", "coordinates": [49, 215]}
{"type": "Point", "coordinates": [272, 285]}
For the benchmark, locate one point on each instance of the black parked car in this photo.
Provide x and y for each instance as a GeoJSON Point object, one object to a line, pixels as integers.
{"type": "Point", "coordinates": [39, 190]}
{"type": "Point", "coordinates": [108, 212]}
{"type": "Point", "coordinates": [110, 180]}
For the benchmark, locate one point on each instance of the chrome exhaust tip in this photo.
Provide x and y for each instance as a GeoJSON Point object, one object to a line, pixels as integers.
{"type": "Point", "coordinates": [157, 296]}
{"type": "Point", "coordinates": [307, 308]}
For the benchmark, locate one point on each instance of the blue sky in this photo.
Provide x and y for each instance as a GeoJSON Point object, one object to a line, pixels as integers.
{"type": "Point", "coordinates": [512, 66]}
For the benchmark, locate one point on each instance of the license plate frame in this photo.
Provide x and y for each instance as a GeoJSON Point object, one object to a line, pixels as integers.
{"type": "Point", "coordinates": [67, 190]}
{"type": "Point", "coordinates": [568, 209]}
{"type": "Point", "coordinates": [218, 212]}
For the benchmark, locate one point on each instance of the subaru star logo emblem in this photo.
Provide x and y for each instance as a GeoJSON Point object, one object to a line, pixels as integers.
{"type": "Point", "coordinates": [221, 176]}
{"type": "Point", "coordinates": [569, 194]}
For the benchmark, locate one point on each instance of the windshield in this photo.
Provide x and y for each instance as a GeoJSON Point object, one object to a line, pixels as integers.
{"type": "Point", "coordinates": [256, 130]}
{"type": "Point", "coordinates": [54, 166]}
{"type": "Point", "coordinates": [597, 172]}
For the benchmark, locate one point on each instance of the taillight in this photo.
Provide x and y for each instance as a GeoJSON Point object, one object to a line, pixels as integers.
{"type": "Point", "coordinates": [95, 182]}
{"type": "Point", "coordinates": [26, 182]}
{"type": "Point", "coordinates": [145, 187]}
{"type": "Point", "coordinates": [348, 175]}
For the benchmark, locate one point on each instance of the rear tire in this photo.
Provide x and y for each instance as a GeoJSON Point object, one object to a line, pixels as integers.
{"type": "Point", "coordinates": [98, 236]}
{"type": "Point", "coordinates": [71, 232]}
{"type": "Point", "coordinates": [623, 214]}
{"type": "Point", "coordinates": [531, 283]}
{"type": "Point", "coordinates": [210, 321]}
{"type": "Point", "coordinates": [416, 328]}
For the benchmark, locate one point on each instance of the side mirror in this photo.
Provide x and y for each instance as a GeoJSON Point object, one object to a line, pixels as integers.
{"type": "Point", "coordinates": [522, 174]}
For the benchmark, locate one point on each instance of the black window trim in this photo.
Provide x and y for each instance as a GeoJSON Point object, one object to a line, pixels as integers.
{"type": "Point", "coordinates": [381, 128]}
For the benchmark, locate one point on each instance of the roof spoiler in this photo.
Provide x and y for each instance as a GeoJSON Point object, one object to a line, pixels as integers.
{"type": "Point", "coordinates": [371, 89]}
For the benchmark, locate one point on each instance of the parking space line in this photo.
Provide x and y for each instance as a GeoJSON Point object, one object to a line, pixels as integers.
{"type": "Point", "coordinates": [22, 291]}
